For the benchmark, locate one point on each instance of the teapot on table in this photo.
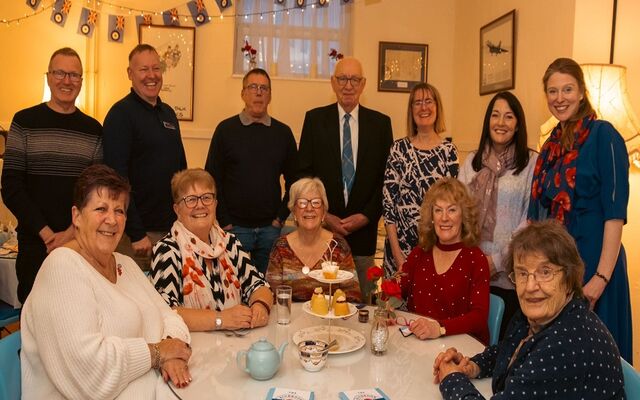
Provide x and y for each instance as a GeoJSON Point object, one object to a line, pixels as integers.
{"type": "Point", "coordinates": [262, 360]}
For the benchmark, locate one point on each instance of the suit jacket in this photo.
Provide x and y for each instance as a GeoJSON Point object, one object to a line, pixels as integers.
{"type": "Point", "coordinates": [319, 155]}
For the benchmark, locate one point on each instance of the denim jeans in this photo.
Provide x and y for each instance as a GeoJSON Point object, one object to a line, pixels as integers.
{"type": "Point", "coordinates": [258, 242]}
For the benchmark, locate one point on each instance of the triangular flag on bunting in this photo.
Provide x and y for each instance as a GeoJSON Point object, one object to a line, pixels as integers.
{"type": "Point", "coordinates": [33, 3]}
{"type": "Point", "coordinates": [345, 1]}
{"type": "Point", "coordinates": [171, 17]}
{"type": "Point", "coordinates": [323, 3]}
{"type": "Point", "coordinates": [145, 19]}
{"type": "Point", "coordinates": [198, 12]}
{"type": "Point", "coordinates": [116, 28]}
{"type": "Point", "coordinates": [88, 19]}
{"type": "Point", "coordinates": [300, 3]}
{"type": "Point", "coordinates": [281, 2]}
{"type": "Point", "coordinates": [222, 4]}
{"type": "Point", "coordinates": [60, 11]}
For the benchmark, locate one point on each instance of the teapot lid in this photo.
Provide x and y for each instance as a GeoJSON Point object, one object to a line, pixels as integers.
{"type": "Point", "coordinates": [262, 345]}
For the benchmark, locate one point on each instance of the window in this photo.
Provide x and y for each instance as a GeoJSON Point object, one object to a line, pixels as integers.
{"type": "Point", "coordinates": [291, 41]}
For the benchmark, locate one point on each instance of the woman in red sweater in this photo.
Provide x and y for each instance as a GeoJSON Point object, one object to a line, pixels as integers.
{"type": "Point", "coordinates": [446, 277]}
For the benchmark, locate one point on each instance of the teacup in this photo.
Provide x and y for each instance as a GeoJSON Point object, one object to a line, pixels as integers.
{"type": "Point", "coordinates": [313, 354]}
{"type": "Point", "coordinates": [330, 269]}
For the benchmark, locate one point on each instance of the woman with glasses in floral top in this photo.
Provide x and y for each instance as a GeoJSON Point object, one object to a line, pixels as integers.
{"type": "Point", "coordinates": [303, 250]}
{"type": "Point", "coordinates": [201, 270]}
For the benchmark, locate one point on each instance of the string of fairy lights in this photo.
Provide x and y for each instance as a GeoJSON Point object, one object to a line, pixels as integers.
{"type": "Point", "coordinates": [121, 10]}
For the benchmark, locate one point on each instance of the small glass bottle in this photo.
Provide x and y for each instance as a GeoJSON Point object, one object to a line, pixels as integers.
{"type": "Point", "coordinates": [379, 333]}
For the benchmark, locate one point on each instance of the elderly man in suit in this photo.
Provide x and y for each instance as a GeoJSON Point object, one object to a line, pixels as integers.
{"type": "Point", "coordinates": [346, 145]}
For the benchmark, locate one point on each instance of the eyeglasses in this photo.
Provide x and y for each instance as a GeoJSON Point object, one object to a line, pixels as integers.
{"type": "Point", "coordinates": [191, 201]}
{"type": "Point", "coordinates": [355, 80]}
{"type": "Point", "coordinates": [303, 203]}
{"type": "Point", "coordinates": [425, 102]}
{"type": "Point", "coordinates": [404, 321]}
{"type": "Point", "coordinates": [544, 274]}
{"type": "Point", "coordinates": [255, 88]}
{"type": "Point", "coordinates": [60, 75]}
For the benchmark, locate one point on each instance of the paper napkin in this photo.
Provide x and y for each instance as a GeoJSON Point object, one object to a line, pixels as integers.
{"type": "Point", "coordinates": [289, 394]}
{"type": "Point", "coordinates": [363, 394]}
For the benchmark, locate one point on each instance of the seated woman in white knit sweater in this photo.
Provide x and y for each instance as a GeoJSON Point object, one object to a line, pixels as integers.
{"type": "Point", "coordinates": [93, 326]}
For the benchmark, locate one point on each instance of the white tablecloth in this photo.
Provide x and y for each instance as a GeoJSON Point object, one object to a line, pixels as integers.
{"type": "Point", "coordinates": [405, 372]}
{"type": "Point", "coordinates": [9, 282]}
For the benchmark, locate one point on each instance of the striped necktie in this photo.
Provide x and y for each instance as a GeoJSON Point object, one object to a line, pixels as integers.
{"type": "Point", "coordinates": [348, 170]}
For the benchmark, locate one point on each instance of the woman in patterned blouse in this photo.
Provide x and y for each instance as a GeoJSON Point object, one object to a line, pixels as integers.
{"type": "Point", "coordinates": [555, 348]}
{"type": "Point", "coordinates": [309, 245]}
{"type": "Point", "coordinates": [414, 164]}
{"type": "Point", "coordinates": [201, 270]}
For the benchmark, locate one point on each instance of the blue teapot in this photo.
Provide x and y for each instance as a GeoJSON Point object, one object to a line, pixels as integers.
{"type": "Point", "coordinates": [262, 360]}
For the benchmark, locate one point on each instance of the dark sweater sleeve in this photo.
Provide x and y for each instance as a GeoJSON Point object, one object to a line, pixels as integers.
{"type": "Point", "coordinates": [14, 183]}
{"type": "Point", "coordinates": [289, 174]}
{"type": "Point", "coordinates": [117, 141]}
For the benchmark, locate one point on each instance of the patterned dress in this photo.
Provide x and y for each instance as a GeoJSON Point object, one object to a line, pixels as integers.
{"type": "Point", "coordinates": [167, 265]}
{"type": "Point", "coordinates": [409, 174]}
{"type": "Point", "coordinates": [285, 268]}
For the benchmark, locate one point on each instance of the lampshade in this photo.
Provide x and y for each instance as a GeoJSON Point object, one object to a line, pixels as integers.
{"type": "Point", "coordinates": [607, 86]}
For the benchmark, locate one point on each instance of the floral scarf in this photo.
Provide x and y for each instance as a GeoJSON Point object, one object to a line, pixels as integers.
{"type": "Point", "coordinates": [485, 186]}
{"type": "Point", "coordinates": [554, 177]}
{"type": "Point", "coordinates": [196, 287]}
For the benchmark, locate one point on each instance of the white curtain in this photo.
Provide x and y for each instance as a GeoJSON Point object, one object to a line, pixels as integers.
{"type": "Point", "coordinates": [291, 42]}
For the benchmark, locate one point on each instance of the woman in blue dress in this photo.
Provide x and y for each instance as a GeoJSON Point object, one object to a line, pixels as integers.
{"type": "Point", "coordinates": [414, 164]}
{"type": "Point", "coordinates": [582, 179]}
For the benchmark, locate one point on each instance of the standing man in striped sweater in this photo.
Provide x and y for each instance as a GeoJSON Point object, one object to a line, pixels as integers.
{"type": "Point", "coordinates": [48, 146]}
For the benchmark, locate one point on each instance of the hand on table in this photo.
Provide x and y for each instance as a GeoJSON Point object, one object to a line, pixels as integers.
{"type": "Point", "coordinates": [259, 315]}
{"type": "Point", "coordinates": [174, 349]}
{"type": "Point", "coordinates": [425, 328]}
{"type": "Point", "coordinates": [177, 371]}
{"type": "Point", "coordinates": [451, 361]}
{"type": "Point", "coordinates": [236, 317]}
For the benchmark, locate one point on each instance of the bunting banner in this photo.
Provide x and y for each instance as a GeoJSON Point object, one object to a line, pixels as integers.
{"type": "Point", "coordinates": [300, 3]}
{"type": "Point", "coordinates": [116, 28]}
{"type": "Point", "coordinates": [88, 19]}
{"type": "Point", "coordinates": [145, 19]}
{"type": "Point", "coordinates": [222, 4]}
{"type": "Point", "coordinates": [60, 11]}
{"type": "Point", "coordinates": [198, 12]}
{"type": "Point", "coordinates": [323, 3]}
{"type": "Point", "coordinates": [171, 17]}
{"type": "Point", "coordinates": [33, 3]}
{"type": "Point", "coordinates": [280, 2]}
{"type": "Point", "coordinates": [345, 1]}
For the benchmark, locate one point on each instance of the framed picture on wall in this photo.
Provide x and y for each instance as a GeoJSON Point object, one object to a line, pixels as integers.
{"type": "Point", "coordinates": [176, 46]}
{"type": "Point", "coordinates": [497, 54]}
{"type": "Point", "coordinates": [401, 66]}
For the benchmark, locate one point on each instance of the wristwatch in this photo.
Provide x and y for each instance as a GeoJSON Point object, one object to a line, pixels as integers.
{"type": "Point", "coordinates": [218, 323]}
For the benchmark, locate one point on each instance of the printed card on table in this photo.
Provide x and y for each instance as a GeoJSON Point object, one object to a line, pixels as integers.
{"type": "Point", "coordinates": [364, 394]}
{"type": "Point", "coordinates": [289, 394]}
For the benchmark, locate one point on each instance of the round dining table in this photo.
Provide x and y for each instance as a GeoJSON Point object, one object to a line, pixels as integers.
{"type": "Point", "coordinates": [403, 372]}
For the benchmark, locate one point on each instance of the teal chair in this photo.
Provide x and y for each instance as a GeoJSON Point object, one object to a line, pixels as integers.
{"type": "Point", "coordinates": [8, 316]}
{"type": "Point", "coordinates": [496, 310]}
{"type": "Point", "coordinates": [631, 380]}
{"type": "Point", "coordinates": [10, 388]}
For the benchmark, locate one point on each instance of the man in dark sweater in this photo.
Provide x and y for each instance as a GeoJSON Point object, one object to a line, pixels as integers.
{"type": "Point", "coordinates": [48, 146]}
{"type": "Point", "coordinates": [142, 142]}
{"type": "Point", "coordinates": [248, 154]}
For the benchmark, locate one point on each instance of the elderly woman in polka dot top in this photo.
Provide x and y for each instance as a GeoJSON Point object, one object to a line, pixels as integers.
{"type": "Point", "coordinates": [555, 348]}
{"type": "Point", "coordinates": [446, 277]}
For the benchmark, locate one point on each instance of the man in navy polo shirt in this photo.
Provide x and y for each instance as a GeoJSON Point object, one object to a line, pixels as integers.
{"type": "Point", "coordinates": [142, 142]}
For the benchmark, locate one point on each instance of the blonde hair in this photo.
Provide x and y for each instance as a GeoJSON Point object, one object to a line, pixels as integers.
{"type": "Point", "coordinates": [188, 178]}
{"type": "Point", "coordinates": [452, 190]}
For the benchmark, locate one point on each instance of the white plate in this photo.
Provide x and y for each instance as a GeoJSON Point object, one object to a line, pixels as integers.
{"type": "Point", "coordinates": [306, 307]}
{"type": "Point", "coordinates": [343, 276]}
{"type": "Point", "coordinates": [348, 339]}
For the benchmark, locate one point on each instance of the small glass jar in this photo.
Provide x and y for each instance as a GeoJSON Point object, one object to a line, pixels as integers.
{"type": "Point", "coordinates": [363, 316]}
{"type": "Point", "coordinates": [379, 332]}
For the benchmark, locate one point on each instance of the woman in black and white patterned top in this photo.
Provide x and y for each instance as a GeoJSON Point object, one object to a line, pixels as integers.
{"type": "Point", "coordinates": [414, 164]}
{"type": "Point", "coordinates": [201, 270]}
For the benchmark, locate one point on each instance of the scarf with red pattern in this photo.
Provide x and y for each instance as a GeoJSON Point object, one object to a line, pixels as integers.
{"type": "Point", "coordinates": [554, 177]}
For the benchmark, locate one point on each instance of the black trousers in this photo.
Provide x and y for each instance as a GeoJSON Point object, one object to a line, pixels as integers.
{"type": "Point", "coordinates": [30, 258]}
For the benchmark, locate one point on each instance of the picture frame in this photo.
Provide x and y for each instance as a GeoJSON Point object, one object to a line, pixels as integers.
{"type": "Point", "coordinates": [176, 47]}
{"type": "Point", "coordinates": [401, 66]}
{"type": "Point", "coordinates": [497, 54]}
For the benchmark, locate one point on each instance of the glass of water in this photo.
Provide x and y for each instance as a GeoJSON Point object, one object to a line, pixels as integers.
{"type": "Point", "coordinates": [283, 304]}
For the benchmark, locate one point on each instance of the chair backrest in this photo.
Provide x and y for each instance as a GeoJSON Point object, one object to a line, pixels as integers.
{"type": "Point", "coordinates": [9, 316]}
{"type": "Point", "coordinates": [631, 380]}
{"type": "Point", "coordinates": [10, 381]}
{"type": "Point", "coordinates": [496, 310]}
